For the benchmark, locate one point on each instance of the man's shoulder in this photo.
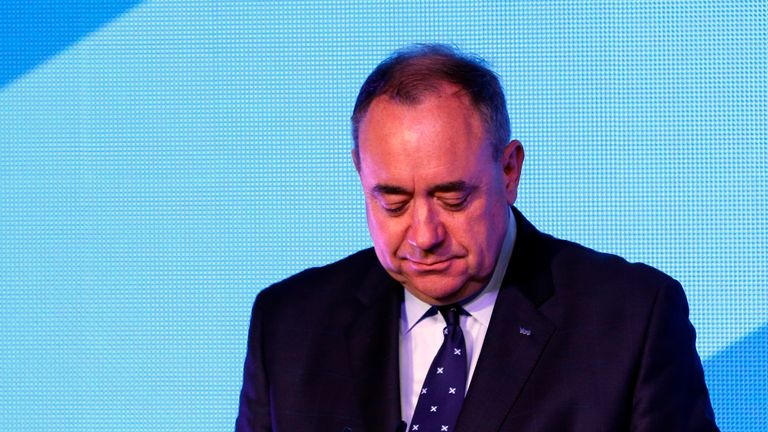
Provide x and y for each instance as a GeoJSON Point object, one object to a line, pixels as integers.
{"type": "Point", "coordinates": [576, 258]}
{"type": "Point", "coordinates": [585, 271]}
{"type": "Point", "coordinates": [571, 262]}
{"type": "Point", "coordinates": [319, 284]}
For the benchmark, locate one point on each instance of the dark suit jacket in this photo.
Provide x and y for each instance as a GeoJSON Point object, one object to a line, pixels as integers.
{"type": "Point", "coordinates": [578, 341]}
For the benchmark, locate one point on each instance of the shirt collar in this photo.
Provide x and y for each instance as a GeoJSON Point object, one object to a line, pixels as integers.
{"type": "Point", "coordinates": [479, 306]}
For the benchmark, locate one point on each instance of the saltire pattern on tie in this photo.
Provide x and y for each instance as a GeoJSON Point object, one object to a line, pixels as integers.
{"type": "Point", "coordinates": [442, 394]}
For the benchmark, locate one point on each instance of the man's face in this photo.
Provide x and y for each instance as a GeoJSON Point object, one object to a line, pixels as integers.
{"type": "Point", "coordinates": [436, 198]}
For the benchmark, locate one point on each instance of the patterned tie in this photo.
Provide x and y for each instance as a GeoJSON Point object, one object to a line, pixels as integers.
{"type": "Point", "coordinates": [443, 391]}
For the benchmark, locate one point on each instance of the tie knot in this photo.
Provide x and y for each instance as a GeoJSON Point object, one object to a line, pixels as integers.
{"type": "Point", "coordinates": [451, 314]}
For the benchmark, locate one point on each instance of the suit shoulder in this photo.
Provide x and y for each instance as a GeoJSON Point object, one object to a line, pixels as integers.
{"type": "Point", "coordinates": [574, 262]}
{"type": "Point", "coordinates": [321, 283]}
{"type": "Point", "coordinates": [600, 290]}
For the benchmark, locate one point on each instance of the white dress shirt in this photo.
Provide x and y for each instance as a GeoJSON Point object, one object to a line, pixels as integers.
{"type": "Point", "coordinates": [420, 339]}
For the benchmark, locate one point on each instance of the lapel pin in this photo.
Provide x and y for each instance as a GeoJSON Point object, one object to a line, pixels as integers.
{"type": "Point", "coordinates": [525, 331]}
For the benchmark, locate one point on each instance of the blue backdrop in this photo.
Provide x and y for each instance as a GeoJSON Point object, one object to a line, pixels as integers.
{"type": "Point", "coordinates": [162, 161]}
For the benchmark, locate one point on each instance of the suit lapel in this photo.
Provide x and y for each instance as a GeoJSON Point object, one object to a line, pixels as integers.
{"type": "Point", "coordinates": [373, 348]}
{"type": "Point", "coordinates": [517, 333]}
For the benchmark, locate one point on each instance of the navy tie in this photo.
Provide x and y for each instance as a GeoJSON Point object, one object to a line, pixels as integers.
{"type": "Point", "coordinates": [443, 392]}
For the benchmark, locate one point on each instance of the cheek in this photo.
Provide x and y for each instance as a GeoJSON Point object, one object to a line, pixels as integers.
{"type": "Point", "coordinates": [478, 234]}
{"type": "Point", "coordinates": [385, 233]}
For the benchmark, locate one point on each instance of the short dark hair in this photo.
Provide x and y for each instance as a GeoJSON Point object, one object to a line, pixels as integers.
{"type": "Point", "coordinates": [416, 71]}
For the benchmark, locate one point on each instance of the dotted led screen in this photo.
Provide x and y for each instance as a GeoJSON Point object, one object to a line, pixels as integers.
{"type": "Point", "coordinates": [163, 161]}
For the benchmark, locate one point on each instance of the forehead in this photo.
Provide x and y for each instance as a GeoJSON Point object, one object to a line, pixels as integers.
{"type": "Point", "coordinates": [440, 138]}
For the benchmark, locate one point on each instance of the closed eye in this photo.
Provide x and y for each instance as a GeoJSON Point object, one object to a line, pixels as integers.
{"type": "Point", "coordinates": [454, 195]}
{"type": "Point", "coordinates": [454, 203]}
{"type": "Point", "coordinates": [454, 200]}
{"type": "Point", "coordinates": [394, 209]}
{"type": "Point", "coordinates": [393, 205]}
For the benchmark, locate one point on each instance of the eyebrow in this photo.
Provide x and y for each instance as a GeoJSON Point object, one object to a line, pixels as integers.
{"type": "Point", "coordinates": [453, 186]}
{"type": "Point", "coordinates": [385, 189]}
{"type": "Point", "coordinates": [447, 187]}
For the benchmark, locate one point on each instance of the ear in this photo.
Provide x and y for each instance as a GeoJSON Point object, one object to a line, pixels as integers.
{"type": "Point", "coordinates": [512, 166]}
{"type": "Point", "coordinates": [356, 159]}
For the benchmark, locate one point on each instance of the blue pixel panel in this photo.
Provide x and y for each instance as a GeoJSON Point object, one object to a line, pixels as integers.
{"type": "Point", "coordinates": [162, 161]}
{"type": "Point", "coordinates": [32, 31]}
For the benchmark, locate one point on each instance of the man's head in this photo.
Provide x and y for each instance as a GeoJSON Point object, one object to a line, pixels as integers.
{"type": "Point", "coordinates": [438, 171]}
{"type": "Point", "coordinates": [416, 72]}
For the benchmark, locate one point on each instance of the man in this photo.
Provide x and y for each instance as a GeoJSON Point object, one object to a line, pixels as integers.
{"type": "Point", "coordinates": [552, 336]}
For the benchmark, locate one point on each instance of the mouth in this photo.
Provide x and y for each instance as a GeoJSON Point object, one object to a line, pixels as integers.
{"type": "Point", "coordinates": [424, 266]}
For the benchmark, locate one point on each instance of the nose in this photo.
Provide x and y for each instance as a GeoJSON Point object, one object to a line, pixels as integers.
{"type": "Point", "coordinates": [426, 232]}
